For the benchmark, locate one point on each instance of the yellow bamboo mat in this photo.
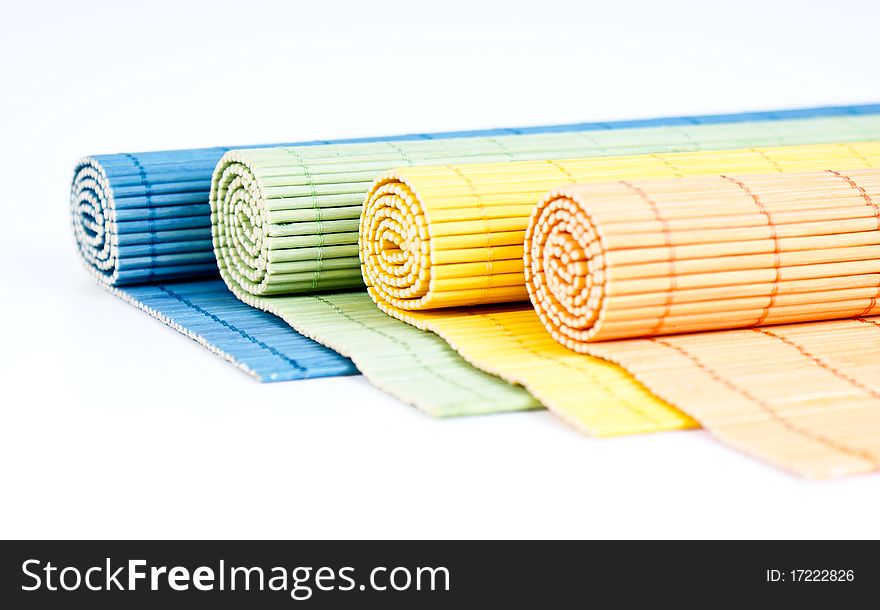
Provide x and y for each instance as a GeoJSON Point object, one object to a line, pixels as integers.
{"type": "Point", "coordinates": [609, 262]}
{"type": "Point", "coordinates": [452, 236]}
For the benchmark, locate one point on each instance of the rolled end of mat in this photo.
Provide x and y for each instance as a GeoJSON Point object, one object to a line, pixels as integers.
{"type": "Point", "coordinates": [271, 235]}
{"type": "Point", "coordinates": [135, 221]}
{"type": "Point", "coordinates": [93, 216]}
{"type": "Point", "coordinates": [565, 270]}
{"type": "Point", "coordinates": [425, 244]}
{"type": "Point", "coordinates": [645, 258]}
{"type": "Point", "coordinates": [395, 245]}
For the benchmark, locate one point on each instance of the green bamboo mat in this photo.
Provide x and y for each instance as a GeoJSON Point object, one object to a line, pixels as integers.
{"type": "Point", "coordinates": [417, 367]}
{"type": "Point", "coordinates": [285, 223]}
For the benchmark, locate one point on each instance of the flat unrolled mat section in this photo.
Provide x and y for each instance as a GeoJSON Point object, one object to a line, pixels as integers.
{"type": "Point", "coordinates": [258, 343]}
{"type": "Point", "coordinates": [615, 270]}
{"type": "Point", "coordinates": [508, 339]}
{"type": "Point", "coordinates": [142, 219]}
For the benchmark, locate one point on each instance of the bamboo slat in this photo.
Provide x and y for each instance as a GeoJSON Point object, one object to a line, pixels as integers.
{"type": "Point", "coordinates": [141, 223]}
{"type": "Point", "coordinates": [142, 228]}
{"type": "Point", "coordinates": [613, 268]}
{"type": "Point", "coordinates": [639, 258]}
{"type": "Point", "coordinates": [406, 269]}
{"type": "Point", "coordinates": [285, 221]}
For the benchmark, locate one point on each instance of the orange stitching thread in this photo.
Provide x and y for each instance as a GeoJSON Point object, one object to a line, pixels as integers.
{"type": "Point", "coordinates": [831, 444]}
{"type": "Point", "coordinates": [776, 251]}
{"type": "Point", "coordinates": [667, 237]}
{"type": "Point", "coordinates": [831, 369]}
{"type": "Point", "coordinates": [861, 191]}
{"type": "Point", "coordinates": [873, 303]}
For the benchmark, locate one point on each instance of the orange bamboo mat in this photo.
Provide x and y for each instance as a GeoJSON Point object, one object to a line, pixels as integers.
{"type": "Point", "coordinates": [609, 263]}
{"type": "Point", "coordinates": [637, 258]}
{"type": "Point", "coordinates": [422, 228]}
{"type": "Point", "coordinates": [449, 235]}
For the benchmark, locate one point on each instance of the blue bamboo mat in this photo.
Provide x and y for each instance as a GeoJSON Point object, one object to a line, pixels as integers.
{"type": "Point", "coordinates": [258, 343]}
{"type": "Point", "coordinates": [142, 224]}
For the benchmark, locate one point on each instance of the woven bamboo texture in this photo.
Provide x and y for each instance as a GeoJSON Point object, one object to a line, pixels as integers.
{"type": "Point", "coordinates": [285, 222]}
{"type": "Point", "coordinates": [636, 259]}
{"type": "Point", "coordinates": [142, 228]}
{"type": "Point", "coordinates": [616, 270]}
{"type": "Point", "coordinates": [406, 268]}
{"type": "Point", "coordinates": [257, 343]}
{"type": "Point", "coordinates": [141, 221]}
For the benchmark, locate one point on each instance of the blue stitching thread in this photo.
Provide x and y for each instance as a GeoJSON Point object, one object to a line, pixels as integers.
{"type": "Point", "coordinates": [148, 192]}
{"type": "Point", "coordinates": [245, 335]}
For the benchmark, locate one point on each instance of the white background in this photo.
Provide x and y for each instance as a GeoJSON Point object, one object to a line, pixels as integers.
{"type": "Point", "coordinates": [116, 426]}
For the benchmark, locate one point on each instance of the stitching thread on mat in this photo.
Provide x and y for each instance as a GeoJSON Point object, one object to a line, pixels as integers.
{"type": "Point", "coordinates": [632, 408]}
{"type": "Point", "coordinates": [563, 170]}
{"type": "Point", "coordinates": [503, 148]}
{"type": "Point", "coordinates": [683, 130]}
{"type": "Point", "coordinates": [401, 152]}
{"type": "Point", "coordinates": [786, 423]}
{"type": "Point", "coordinates": [406, 347]}
{"type": "Point", "coordinates": [863, 320]}
{"type": "Point", "coordinates": [151, 225]}
{"type": "Point", "coordinates": [852, 149]}
{"type": "Point", "coordinates": [226, 324]}
{"type": "Point", "coordinates": [776, 251]}
{"type": "Point", "coordinates": [773, 162]}
{"type": "Point", "coordinates": [864, 194]}
{"type": "Point", "coordinates": [667, 238]}
{"type": "Point", "coordinates": [484, 290]}
{"type": "Point", "coordinates": [828, 367]}
{"type": "Point", "coordinates": [317, 209]}
{"type": "Point", "coordinates": [594, 143]}
{"type": "Point", "coordinates": [669, 165]}
{"type": "Point", "coordinates": [772, 129]}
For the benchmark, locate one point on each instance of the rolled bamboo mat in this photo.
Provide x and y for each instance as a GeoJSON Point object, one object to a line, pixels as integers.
{"type": "Point", "coordinates": [141, 220]}
{"type": "Point", "coordinates": [616, 270]}
{"type": "Point", "coordinates": [636, 258]}
{"type": "Point", "coordinates": [447, 236]}
{"type": "Point", "coordinates": [285, 220]}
